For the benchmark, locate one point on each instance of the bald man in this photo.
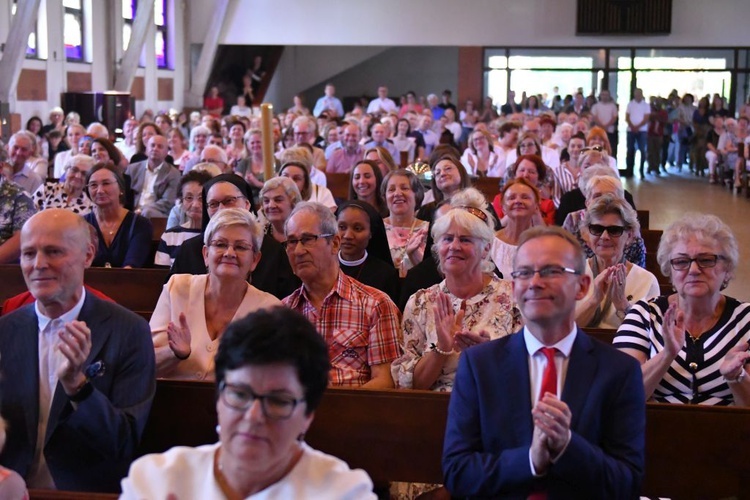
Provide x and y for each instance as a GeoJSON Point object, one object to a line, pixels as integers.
{"type": "Point", "coordinates": [77, 372]}
{"type": "Point", "coordinates": [154, 181]}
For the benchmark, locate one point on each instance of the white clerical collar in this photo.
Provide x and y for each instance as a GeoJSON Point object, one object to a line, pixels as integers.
{"type": "Point", "coordinates": [352, 263]}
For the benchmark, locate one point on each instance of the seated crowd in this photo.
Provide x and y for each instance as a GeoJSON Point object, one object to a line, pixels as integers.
{"type": "Point", "coordinates": [280, 286]}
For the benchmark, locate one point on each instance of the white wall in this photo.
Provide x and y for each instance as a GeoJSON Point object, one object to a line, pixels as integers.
{"type": "Point", "coordinates": [456, 23]}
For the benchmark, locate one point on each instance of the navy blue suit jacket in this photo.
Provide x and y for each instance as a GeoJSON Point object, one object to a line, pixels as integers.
{"type": "Point", "coordinates": [89, 448]}
{"type": "Point", "coordinates": [489, 429]}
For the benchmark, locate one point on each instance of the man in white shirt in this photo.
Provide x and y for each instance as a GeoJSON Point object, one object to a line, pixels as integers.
{"type": "Point", "coordinates": [604, 114]}
{"type": "Point", "coordinates": [21, 148]}
{"type": "Point", "coordinates": [154, 181]}
{"type": "Point", "coordinates": [126, 145]}
{"type": "Point", "coordinates": [636, 116]}
{"type": "Point", "coordinates": [330, 103]}
{"type": "Point", "coordinates": [382, 104]}
{"type": "Point", "coordinates": [570, 421]}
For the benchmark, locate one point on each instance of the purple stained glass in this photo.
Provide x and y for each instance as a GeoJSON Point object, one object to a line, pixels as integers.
{"type": "Point", "coordinates": [74, 52]}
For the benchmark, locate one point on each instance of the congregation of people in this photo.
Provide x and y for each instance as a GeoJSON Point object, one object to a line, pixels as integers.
{"type": "Point", "coordinates": [279, 287]}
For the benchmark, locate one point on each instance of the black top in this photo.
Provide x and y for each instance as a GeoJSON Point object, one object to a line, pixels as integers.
{"type": "Point", "coordinates": [131, 245]}
{"type": "Point", "coordinates": [272, 275]}
{"type": "Point", "coordinates": [377, 274]}
{"type": "Point", "coordinates": [423, 275]}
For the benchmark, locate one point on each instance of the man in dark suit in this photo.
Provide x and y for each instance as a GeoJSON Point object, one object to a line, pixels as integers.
{"type": "Point", "coordinates": [154, 181]}
{"type": "Point", "coordinates": [508, 433]}
{"type": "Point", "coordinates": [77, 373]}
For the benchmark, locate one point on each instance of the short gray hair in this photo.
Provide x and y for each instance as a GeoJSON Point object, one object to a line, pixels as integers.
{"type": "Point", "coordinates": [593, 170]}
{"type": "Point", "coordinates": [469, 212]}
{"type": "Point", "coordinates": [219, 151]}
{"type": "Point", "coordinates": [707, 229]}
{"type": "Point", "coordinates": [605, 180]}
{"type": "Point", "coordinates": [80, 159]}
{"type": "Point", "coordinates": [328, 224]}
{"type": "Point", "coordinates": [234, 217]}
{"type": "Point", "coordinates": [200, 129]}
{"type": "Point", "coordinates": [288, 185]}
{"type": "Point", "coordinates": [610, 204]}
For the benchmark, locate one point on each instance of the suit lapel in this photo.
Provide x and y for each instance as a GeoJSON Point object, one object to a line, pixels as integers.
{"type": "Point", "coordinates": [582, 369]}
{"type": "Point", "coordinates": [516, 365]}
{"type": "Point", "coordinates": [26, 376]}
{"type": "Point", "coordinates": [95, 319]}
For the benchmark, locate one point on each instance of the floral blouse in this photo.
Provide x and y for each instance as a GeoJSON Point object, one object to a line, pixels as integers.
{"type": "Point", "coordinates": [398, 237]}
{"type": "Point", "coordinates": [492, 310]}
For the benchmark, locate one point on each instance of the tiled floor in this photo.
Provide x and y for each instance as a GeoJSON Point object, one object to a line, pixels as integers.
{"type": "Point", "coordinates": [670, 196]}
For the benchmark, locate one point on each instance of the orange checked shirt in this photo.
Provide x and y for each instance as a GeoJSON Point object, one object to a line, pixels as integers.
{"type": "Point", "coordinates": [360, 324]}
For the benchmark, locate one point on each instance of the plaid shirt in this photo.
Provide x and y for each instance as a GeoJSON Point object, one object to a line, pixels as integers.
{"type": "Point", "coordinates": [360, 324]}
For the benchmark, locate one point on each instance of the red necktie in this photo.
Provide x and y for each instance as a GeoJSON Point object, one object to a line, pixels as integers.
{"type": "Point", "coordinates": [549, 378]}
{"type": "Point", "coordinates": [549, 384]}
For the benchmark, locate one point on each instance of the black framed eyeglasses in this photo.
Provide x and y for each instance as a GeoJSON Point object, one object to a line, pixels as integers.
{"type": "Point", "coordinates": [307, 241]}
{"type": "Point", "coordinates": [704, 261]}
{"type": "Point", "coordinates": [547, 272]}
{"type": "Point", "coordinates": [227, 202]}
{"type": "Point", "coordinates": [241, 398]}
{"type": "Point", "coordinates": [612, 231]}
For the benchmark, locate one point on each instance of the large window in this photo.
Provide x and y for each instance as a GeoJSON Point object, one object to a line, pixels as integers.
{"type": "Point", "coordinates": [129, 8]}
{"type": "Point", "coordinates": [73, 30]}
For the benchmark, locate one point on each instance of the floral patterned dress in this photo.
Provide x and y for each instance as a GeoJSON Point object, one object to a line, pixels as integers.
{"type": "Point", "coordinates": [492, 310]}
{"type": "Point", "coordinates": [398, 237]}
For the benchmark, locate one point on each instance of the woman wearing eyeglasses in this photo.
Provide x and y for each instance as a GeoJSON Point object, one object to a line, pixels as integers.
{"type": "Point", "coordinates": [194, 310]}
{"type": "Point", "coordinates": [608, 226]}
{"type": "Point", "coordinates": [68, 194]}
{"type": "Point", "coordinates": [124, 236]}
{"type": "Point", "coordinates": [692, 345]}
{"type": "Point", "coordinates": [271, 372]}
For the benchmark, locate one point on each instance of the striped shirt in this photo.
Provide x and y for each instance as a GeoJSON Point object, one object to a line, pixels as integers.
{"type": "Point", "coordinates": [360, 324]}
{"type": "Point", "coordinates": [170, 243]}
{"type": "Point", "coordinates": [642, 330]}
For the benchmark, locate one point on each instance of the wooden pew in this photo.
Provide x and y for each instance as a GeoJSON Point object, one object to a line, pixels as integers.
{"type": "Point", "coordinates": [134, 289]}
{"type": "Point", "coordinates": [651, 238]}
{"type": "Point", "coordinates": [158, 226]}
{"type": "Point", "coordinates": [70, 495]}
{"type": "Point", "coordinates": [338, 184]}
{"type": "Point", "coordinates": [691, 451]}
{"type": "Point", "coordinates": [488, 186]}
{"type": "Point", "coordinates": [644, 219]}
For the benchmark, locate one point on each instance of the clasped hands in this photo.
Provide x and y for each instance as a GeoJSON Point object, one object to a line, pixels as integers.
{"type": "Point", "coordinates": [75, 346]}
{"type": "Point", "coordinates": [611, 282]}
{"type": "Point", "coordinates": [551, 418]}
{"type": "Point", "coordinates": [448, 326]}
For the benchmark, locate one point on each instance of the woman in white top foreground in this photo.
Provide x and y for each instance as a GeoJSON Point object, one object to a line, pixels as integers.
{"type": "Point", "coordinates": [271, 372]}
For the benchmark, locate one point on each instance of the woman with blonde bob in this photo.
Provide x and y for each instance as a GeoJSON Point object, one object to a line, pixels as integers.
{"type": "Point", "coordinates": [470, 306]}
{"type": "Point", "coordinates": [194, 310]}
{"type": "Point", "coordinates": [692, 344]}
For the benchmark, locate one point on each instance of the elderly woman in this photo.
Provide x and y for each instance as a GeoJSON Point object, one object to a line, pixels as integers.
{"type": "Point", "coordinates": [521, 207]}
{"type": "Point", "coordinates": [191, 205]}
{"type": "Point", "coordinates": [468, 307]}
{"type": "Point", "coordinates": [278, 197]}
{"type": "Point", "coordinates": [596, 186]}
{"type": "Point", "coordinates": [532, 169]}
{"type": "Point", "coordinates": [407, 235]}
{"type": "Point", "coordinates": [194, 310]}
{"type": "Point", "coordinates": [365, 182]}
{"type": "Point", "coordinates": [480, 158]}
{"type": "Point", "coordinates": [692, 345]}
{"type": "Point", "coordinates": [364, 253]}
{"type": "Point", "coordinates": [271, 371]}
{"type": "Point", "coordinates": [616, 284]}
{"type": "Point", "coordinates": [124, 237]}
{"type": "Point", "coordinates": [68, 194]}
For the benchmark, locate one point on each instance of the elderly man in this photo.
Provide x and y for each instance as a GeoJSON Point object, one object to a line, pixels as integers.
{"type": "Point", "coordinates": [381, 104]}
{"type": "Point", "coordinates": [16, 207]}
{"type": "Point", "coordinates": [56, 117]}
{"type": "Point", "coordinates": [127, 144]}
{"type": "Point", "coordinates": [431, 139]}
{"type": "Point", "coordinates": [21, 149]}
{"type": "Point", "coordinates": [154, 181]}
{"type": "Point", "coordinates": [570, 419]}
{"type": "Point", "coordinates": [305, 131]}
{"type": "Point", "coordinates": [216, 156]}
{"type": "Point", "coordinates": [380, 139]}
{"type": "Point", "coordinates": [329, 103]}
{"type": "Point", "coordinates": [343, 159]}
{"type": "Point", "coordinates": [78, 372]}
{"type": "Point", "coordinates": [360, 324]}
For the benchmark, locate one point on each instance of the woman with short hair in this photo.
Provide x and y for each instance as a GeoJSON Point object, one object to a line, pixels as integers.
{"type": "Point", "coordinates": [278, 197]}
{"type": "Point", "coordinates": [194, 310]}
{"type": "Point", "coordinates": [692, 344]}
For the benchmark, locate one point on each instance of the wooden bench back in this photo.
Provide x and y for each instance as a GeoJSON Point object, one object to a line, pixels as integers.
{"type": "Point", "coordinates": [691, 451]}
{"type": "Point", "coordinates": [134, 289]}
{"type": "Point", "coordinates": [338, 184]}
